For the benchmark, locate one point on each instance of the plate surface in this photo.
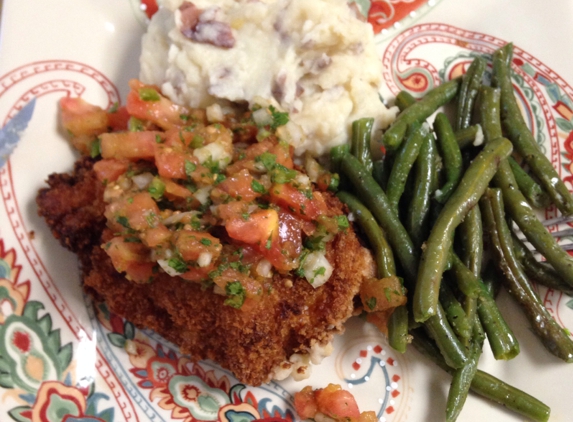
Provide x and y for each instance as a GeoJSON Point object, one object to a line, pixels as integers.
{"type": "Point", "coordinates": [64, 358]}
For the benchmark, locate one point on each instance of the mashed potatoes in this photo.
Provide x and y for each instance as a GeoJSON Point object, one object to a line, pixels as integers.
{"type": "Point", "coordinates": [314, 59]}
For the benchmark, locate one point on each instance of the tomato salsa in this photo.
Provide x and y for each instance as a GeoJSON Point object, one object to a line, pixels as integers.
{"type": "Point", "coordinates": [210, 198]}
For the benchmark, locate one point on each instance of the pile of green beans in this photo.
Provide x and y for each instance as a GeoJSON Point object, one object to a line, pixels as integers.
{"type": "Point", "coordinates": [434, 200]}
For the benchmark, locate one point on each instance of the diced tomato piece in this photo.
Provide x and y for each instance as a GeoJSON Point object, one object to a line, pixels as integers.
{"type": "Point", "coordinates": [284, 153]}
{"type": "Point", "coordinates": [233, 209]}
{"type": "Point", "coordinates": [140, 272]}
{"type": "Point", "coordinates": [381, 294]}
{"type": "Point", "coordinates": [369, 416]}
{"type": "Point", "coordinates": [259, 228]}
{"type": "Point", "coordinates": [118, 119]}
{"type": "Point", "coordinates": [108, 170]}
{"type": "Point", "coordinates": [156, 236]}
{"type": "Point", "coordinates": [239, 186]}
{"type": "Point", "coordinates": [130, 257]}
{"type": "Point", "coordinates": [305, 403]}
{"type": "Point", "coordinates": [336, 403]}
{"type": "Point", "coordinates": [191, 244]}
{"type": "Point", "coordinates": [290, 198]}
{"type": "Point", "coordinates": [171, 162]}
{"type": "Point", "coordinates": [197, 274]}
{"type": "Point", "coordinates": [175, 191]}
{"type": "Point", "coordinates": [129, 145]}
{"type": "Point", "coordinates": [286, 248]}
{"type": "Point", "coordinates": [141, 211]}
{"type": "Point", "coordinates": [82, 118]}
{"type": "Point", "coordinates": [160, 111]}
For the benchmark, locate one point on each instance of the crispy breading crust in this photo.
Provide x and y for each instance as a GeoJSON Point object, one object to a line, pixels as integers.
{"type": "Point", "coordinates": [290, 316]}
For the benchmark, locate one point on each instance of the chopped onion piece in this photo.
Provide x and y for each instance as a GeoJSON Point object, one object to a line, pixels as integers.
{"type": "Point", "coordinates": [142, 180]}
{"type": "Point", "coordinates": [316, 268]}
{"type": "Point", "coordinates": [204, 259]}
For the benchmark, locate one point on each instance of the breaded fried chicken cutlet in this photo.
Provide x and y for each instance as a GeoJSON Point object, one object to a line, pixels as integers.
{"type": "Point", "coordinates": [208, 233]}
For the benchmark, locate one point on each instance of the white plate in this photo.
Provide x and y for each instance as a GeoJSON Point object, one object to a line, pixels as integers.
{"type": "Point", "coordinates": [63, 359]}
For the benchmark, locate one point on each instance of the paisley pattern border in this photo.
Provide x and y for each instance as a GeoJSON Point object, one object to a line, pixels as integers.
{"type": "Point", "coordinates": [139, 375]}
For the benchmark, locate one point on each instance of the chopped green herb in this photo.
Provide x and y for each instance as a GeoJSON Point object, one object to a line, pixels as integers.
{"type": "Point", "coordinates": [342, 222]}
{"type": "Point", "coordinates": [245, 216]}
{"type": "Point", "coordinates": [156, 188]}
{"type": "Point", "coordinates": [279, 118]}
{"type": "Point", "coordinates": [184, 117]}
{"type": "Point", "coordinates": [371, 303]}
{"type": "Point", "coordinates": [197, 142]}
{"type": "Point", "coordinates": [319, 271]}
{"type": "Point", "coordinates": [258, 187]}
{"type": "Point", "coordinates": [189, 167]}
{"type": "Point", "coordinates": [95, 148]}
{"type": "Point", "coordinates": [334, 182]}
{"type": "Point", "coordinates": [206, 242]}
{"type": "Point", "coordinates": [158, 139]}
{"type": "Point", "coordinates": [149, 94]}
{"type": "Point", "coordinates": [307, 193]}
{"type": "Point", "coordinates": [387, 293]}
{"type": "Point", "coordinates": [315, 243]}
{"type": "Point", "coordinates": [268, 244]}
{"type": "Point", "coordinates": [135, 125]}
{"type": "Point", "coordinates": [236, 294]}
{"type": "Point", "coordinates": [302, 258]}
{"type": "Point", "coordinates": [132, 239]}
{"type": "Point", "coordinates": [114, 107]}
{"type": "Point", "coordinates": [151, 219]}
{"type": "Point", "coordinates": [177, 264]}
{"type": "Point", "coordinates": [195, 223]}
{"type": "Point", "coordinates": [280, 174]}
{"type": "Point", "coordinates": [267, 159]}
{"type": "Point", "coordinates": [123, 221]}
{"type": "Point", "coordinates": [219, 178]}
{"type": "Point", "coordinates": [212, 165]}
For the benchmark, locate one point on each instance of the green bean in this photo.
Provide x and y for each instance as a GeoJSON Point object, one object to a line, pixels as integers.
{"type": "Point", "coordinates": [466, 284]}
{"type": "Point", "coordinates": [471, 81]}
{"type": "Point", "coordinates": [403, 162]}
{"type": "Point", "coordinates": [524, 216]}
{"type": "Point", "coordinates": [462, 377]}
{"type": "Point", "coordinates": [491, 279]}
{"type": "Point", "coordinates": [336, 154]}
{"type": "Point", "coordinates": [375, 199]}
{"type": "Point", "coordinates": [502, 341]}
{"type": "Point", "coordinates": [455, 313]}
{"type": "Point", "coordinates": [471, 239]}
{"type": "Point", "coordinates": [540, 272]}
{"type": "Point", "coordinates": [419, 112]}
{"type": "Point", "coordinates": [360, 145]}
{"type": "Point", "coordinates": [465, 197]}
{"type": "Point", "coordinates": [382, 252]}
{"type": "Point", "coordinates": [534, 194]}
{"type": "Point", "coordinates": [450, 347]}
{"type": "Point", "coordinates": [404, 100]}
{"type": "Point", "coordinates": [379, 172]}
{"type": "Point", "coordinates": [470, 136]}
{"type": "Point", "coordinates": [489, 113]}
{"type": "Point", "coordinates": [522, 138]}
{"type": "Point", "coordinates": [425, 183]}
{"type": "Point", "coordinates": [451, 156]}
{"type": "Point", "coordinates": [552, 336]}
{"type": "Point", "coordinates": [518, 208]}
{"type": "Point", "coordinates": [398, 336]}
{"type": "Point", "coordinates": [487, 385]}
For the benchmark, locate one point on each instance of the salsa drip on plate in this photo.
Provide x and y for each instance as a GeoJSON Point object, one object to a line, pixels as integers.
{"type": "Point", "coordinates": [211, 198]}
